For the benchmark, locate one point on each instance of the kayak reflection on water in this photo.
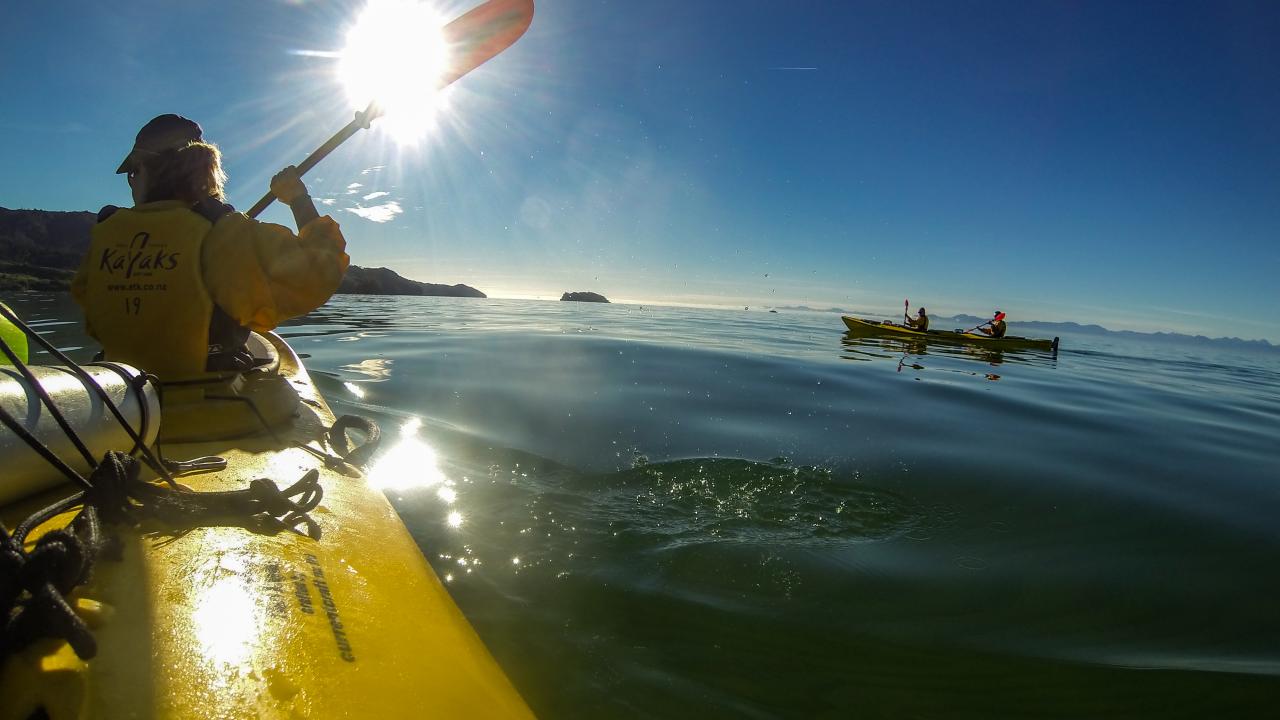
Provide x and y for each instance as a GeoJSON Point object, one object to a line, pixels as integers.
{"type": "Point", "coordinates": [910, 353]}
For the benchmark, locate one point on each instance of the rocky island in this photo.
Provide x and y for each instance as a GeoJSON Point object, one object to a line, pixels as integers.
{"type": "Point", "coordinates": [583, 297]}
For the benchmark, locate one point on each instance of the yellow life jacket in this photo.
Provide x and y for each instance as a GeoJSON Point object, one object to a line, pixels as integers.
{"type": "Point", "coordinates": [145, 299]}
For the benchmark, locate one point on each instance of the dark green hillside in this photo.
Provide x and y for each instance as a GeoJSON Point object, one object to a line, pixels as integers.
{"type": "Point", "coordinates": [40, 249]}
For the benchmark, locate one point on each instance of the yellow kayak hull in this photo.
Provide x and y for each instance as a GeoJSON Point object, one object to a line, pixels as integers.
{"type": "Point", "coordinates": [225, 622]}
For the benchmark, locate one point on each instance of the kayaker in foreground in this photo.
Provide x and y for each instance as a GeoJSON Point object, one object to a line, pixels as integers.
{"type": "Point", "coordinates": [920, 322]}
{"type": "Point", "coordinates": [174, 284]}
{"type": "Point", "coordinates": [996, 325]}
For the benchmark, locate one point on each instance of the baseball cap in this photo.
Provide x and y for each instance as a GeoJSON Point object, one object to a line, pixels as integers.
{"type": "Point", "coordinates": [164, 132]}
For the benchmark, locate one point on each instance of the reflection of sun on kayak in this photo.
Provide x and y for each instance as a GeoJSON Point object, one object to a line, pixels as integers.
{"type": "Point", "coordinates": [216, 549]}
{"type": "Point", "coordinates": [275, 597]}
{"type": "Point", "coordinates": [875, 328]}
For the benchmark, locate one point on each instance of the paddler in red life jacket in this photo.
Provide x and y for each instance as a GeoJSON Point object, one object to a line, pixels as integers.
{"type": "Point", "coordinates": [996, 323]}
{"type": "Point", "coordinates": [920, 322]}
{"type": "Point", "coordinates": [174, 284]}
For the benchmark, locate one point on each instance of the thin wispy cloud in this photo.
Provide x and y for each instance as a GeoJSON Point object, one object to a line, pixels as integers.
{"type": "Point", "coordinates": [315, 53]}
{"type": "Point", "coordinates": [793, 68]}
{"type": "Point", "coordinates": [373, 169]}
{"type": "Point", "coordinates": [353, 187]}
{"type": "Point", "coordinates": [70, 127]}
{"type": "Point", "coordinates": [383, 213]}
{"type": "Point", "coordinates": [375, 195]}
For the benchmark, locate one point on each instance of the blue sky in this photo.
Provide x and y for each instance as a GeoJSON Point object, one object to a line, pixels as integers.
{"type": "Point", "coordinates": [1115, 163]}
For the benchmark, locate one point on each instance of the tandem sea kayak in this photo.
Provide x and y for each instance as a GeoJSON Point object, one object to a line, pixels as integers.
{"type": "Point", "coordinates": [876, 328]}
{"type": "Point", "coordinates": [313, 602]}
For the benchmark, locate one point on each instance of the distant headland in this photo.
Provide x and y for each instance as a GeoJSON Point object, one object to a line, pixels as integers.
{"type": "Point", "coordinates": [384, 281]}
{"type": "Point", "coordinates": [41, 249]}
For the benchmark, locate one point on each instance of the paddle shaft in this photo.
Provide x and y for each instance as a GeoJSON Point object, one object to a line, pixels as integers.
{"type": "Point", "coordinates": [474, 38]}
{"type": "Point", "coordinates": [975, 327]}
{"type": "Point", "coordinates": [360, 122]}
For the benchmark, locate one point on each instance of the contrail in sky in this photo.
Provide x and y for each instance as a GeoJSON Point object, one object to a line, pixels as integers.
{"type": "Point", "coordinates": [793, 68]}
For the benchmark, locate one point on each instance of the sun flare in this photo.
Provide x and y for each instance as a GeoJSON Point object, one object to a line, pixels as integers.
{"type": "Point", "coordinates": [395, 55]}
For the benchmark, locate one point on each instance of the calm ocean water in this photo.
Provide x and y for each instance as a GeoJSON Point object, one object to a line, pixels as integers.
{"type": "Point", "coordinates": [677, 513]}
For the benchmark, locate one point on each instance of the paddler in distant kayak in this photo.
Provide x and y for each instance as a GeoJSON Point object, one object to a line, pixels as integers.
{"type": "Point", "coordinates": [174, 284]}
{"type": "Point", "coordinates": [919, 322]}
{"type": "Point", "coordinates": [994, 327]}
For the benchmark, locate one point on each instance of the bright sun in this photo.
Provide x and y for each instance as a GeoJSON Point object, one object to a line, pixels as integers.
{"type": "Point", "coordinates": [395, 55]}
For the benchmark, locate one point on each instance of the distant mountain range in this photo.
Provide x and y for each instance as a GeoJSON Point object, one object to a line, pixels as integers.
{"type": "Point", "coordinates": [1036, 328]}
{"type": "Point", "coordinates": [41, 249]}
{"type": "Point", "coordinates": [1053, 328]}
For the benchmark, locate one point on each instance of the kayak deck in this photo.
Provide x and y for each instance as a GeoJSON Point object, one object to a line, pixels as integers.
{"type": "Point", "coordinates": [229, 622]}
{"type": "Point", "coordinates": [875, 328]}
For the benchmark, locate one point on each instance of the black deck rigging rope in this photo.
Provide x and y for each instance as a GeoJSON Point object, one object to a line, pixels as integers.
{"type": "Point", "coordinates": [35, 584]}
{"type": "Point", "coordinates": [47, 401]}
{"type": "Point", "coordinates": [40, 448]}
{"type": "Point", "coordinates": [359, 454]}
{"type": "Point", "coordinates": [139, 445]}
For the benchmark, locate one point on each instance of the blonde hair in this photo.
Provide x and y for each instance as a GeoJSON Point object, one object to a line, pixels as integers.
{"type": "Point", "coordinates": [190, 173]}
